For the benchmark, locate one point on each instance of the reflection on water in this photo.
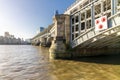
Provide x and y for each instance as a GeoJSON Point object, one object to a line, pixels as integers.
{"type": "Point", "coordinates": [32, 63]}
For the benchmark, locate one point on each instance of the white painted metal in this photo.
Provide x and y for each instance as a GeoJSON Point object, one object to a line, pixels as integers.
{"type": "Point", "coordinates": [92, 36]}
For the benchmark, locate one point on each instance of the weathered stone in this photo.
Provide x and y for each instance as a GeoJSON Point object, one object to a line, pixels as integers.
{"type": "Point", "coordinates": [62, 36]}
{"type": "Point", "coordinates": [57, 48]}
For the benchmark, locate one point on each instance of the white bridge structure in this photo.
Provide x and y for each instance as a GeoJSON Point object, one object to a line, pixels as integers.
{"type": "Point", "coordinates": [83, 14]}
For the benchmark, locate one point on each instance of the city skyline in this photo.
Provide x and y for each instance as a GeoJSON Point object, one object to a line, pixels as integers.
{"type": "Point", "coordinates": [22, 18]}
{"type": "Point", "coordinates": [10, 39]}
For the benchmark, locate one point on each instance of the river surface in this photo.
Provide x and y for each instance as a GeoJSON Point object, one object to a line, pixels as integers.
{"type": "Point", "coordinates": [26, 62]}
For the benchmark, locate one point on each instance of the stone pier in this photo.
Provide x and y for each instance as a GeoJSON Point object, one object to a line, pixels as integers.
{"type": "Point", "coordinates": [62, 36]}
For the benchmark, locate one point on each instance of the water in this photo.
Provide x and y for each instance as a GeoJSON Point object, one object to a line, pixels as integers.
{"type": "Point", "coordinates": [26, 62]}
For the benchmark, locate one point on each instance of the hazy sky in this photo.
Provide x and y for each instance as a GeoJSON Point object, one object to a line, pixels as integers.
{"type": "Point", "coordinates": [22, 18]}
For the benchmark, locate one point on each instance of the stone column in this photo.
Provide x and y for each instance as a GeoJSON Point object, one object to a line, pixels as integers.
{"type": "Point", "coordinates": [62, 35]}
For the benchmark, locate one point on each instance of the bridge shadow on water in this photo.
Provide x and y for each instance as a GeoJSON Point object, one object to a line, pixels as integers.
{"type": "Point", "coordinates": [102, 59]}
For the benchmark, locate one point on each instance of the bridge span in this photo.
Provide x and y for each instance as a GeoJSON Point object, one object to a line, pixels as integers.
{"type": "Point", "coordinates": [76, 33]}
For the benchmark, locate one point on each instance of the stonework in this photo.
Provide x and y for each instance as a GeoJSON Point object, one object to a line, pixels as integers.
{"type": "Point", "coordinates": [62, 26]}
{"type": "Point", "coordinates": [62, 34]}
{"type": "Point", "coordinates": [56, 48]}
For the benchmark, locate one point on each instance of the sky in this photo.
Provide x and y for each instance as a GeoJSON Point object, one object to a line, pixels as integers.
{"type": "Point", "coordinates": [22, 18]}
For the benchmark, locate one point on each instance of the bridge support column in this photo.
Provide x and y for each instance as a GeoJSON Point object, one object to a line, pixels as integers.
{"type": "Point", "coordinates": [62, 36]}
{"type": "Point", "coordinates": [57, 49]}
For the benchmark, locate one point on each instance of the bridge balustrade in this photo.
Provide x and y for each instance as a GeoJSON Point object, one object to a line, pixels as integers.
{"type": "Point", "coordinates": [90, 36]}
{"type": "Point", "coordinates": [82, 22]}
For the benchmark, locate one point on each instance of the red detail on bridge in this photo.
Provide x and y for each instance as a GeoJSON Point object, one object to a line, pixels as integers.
{"type": "Point", "coordinates": [101, 23]}
{"type": "Point", "coordinates": [103, 19]}
{"type": "Point", "coordinates": [100, 26]}
{"type": "Point", "coordinates": [97, 21]}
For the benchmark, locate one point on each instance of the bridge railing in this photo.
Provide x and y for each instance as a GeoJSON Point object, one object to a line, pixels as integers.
{"type": "Point", "coordinates": [113, 25]}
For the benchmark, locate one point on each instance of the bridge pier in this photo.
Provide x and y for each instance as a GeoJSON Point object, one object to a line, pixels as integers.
{"type": "Point", "coordinates": [49, 41]}
{"type": "Point", "coordinates": [62, 36]}
{"type": "Point", "coordinates": [57, 48]}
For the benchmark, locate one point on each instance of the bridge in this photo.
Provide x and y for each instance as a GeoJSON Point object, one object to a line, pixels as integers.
{"type": "Point", "coordinates": [44, 37]}
{"type": "Point", "coordinates": [54, 31]}
{"type": "Point", "coordinates": [77, 28]}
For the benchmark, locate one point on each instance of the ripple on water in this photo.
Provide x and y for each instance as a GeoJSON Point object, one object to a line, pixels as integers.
{"type": "Point", "coordinates": [31, 63]}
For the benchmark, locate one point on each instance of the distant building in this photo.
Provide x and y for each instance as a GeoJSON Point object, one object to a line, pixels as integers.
{"type": "Point", "coordinates": [6, 34]}
{"type": "Point", "coordinates": [40, 29]}
{"type": "Point", "coordinates": [10, 39]}
{"type": "Point", "coordinates": [12, 36]}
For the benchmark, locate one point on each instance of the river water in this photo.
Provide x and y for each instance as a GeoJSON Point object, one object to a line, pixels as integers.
{"type": "Point", "coordinates": [26, 62]}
